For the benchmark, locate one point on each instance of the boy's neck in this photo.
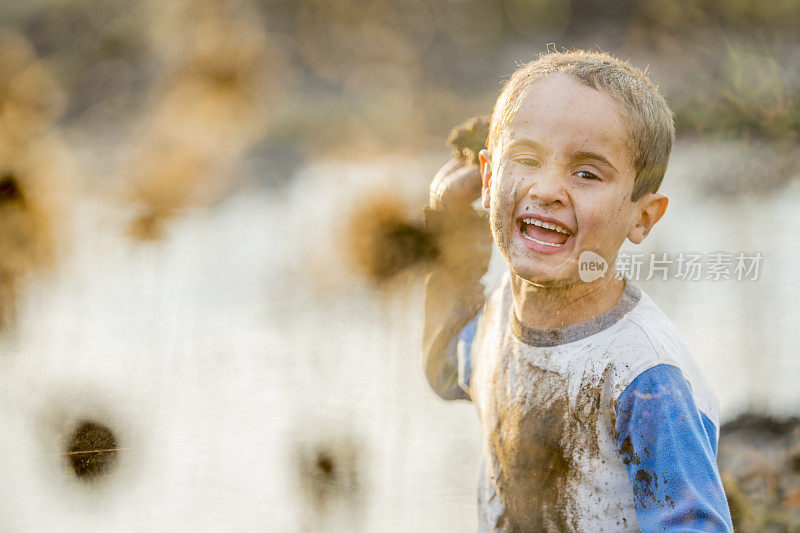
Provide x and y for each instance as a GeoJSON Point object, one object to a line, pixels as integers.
{"type": "Point", "coordinates": [549, 307]}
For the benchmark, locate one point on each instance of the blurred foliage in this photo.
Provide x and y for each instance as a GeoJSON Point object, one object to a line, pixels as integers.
{"type": "Point", "coordinates": [759, 459]}
{"type": "Point", "coordinates": [740, 14]}
{"type": "Point", "coordinates": [755, 96]}
{"type": "Point", "coordinates": [357, 78]}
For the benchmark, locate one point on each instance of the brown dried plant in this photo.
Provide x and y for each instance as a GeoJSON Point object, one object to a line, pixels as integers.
{"type": "Point", "coordinates": [26, 237]}
{"type": "Point", "coordinates": [31, 100]}
{"type": "Point", "coordinates": [207, 110]}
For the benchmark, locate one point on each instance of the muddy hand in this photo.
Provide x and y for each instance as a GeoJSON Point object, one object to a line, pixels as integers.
{"type": "Point", "coordinates": [456, 185]}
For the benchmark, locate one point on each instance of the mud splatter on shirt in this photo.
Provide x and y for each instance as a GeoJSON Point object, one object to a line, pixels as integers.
{"type": "Point", "coordinates": [547, 402]}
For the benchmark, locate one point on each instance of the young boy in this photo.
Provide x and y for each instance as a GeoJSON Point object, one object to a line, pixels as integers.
{"type": "Point", "coordinates": [594, 415]}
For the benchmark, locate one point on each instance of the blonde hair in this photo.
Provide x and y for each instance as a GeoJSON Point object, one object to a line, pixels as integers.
{"type": "Point", "coordinates": [644, 112]}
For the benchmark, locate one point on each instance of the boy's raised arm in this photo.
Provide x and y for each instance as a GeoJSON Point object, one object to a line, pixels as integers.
{"type": "Point", "coordinates": [453, 290]}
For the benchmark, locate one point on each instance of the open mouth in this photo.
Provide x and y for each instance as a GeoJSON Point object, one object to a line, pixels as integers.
{"type": "Point", "coordinates": [544, 233]}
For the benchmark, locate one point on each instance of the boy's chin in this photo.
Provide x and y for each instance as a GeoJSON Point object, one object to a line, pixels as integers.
{"type": "Point", "coordinates": [551, 279]}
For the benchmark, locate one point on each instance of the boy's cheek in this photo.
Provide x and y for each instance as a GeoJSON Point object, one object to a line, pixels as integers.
{"type": "Point", "coordinates": [611, 240]}
{"type": "Point", "coordinates": [608, 222]}
{"type": "Point", "coordinates": [505, 194]}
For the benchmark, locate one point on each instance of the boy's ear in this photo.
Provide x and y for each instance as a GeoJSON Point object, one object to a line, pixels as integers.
{"type": "Point", "coordinates": [651, 208]}
{"type": "Point", "coordinates": [485, 160]}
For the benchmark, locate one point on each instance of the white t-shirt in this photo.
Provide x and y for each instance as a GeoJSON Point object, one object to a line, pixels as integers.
{"type": "Point", "coordinates": [548, 406]}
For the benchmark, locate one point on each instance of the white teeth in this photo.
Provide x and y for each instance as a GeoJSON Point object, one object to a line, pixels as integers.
{"type": "Point", "coordinates": [524, 236]}
{"type": "Point", "coordinates": [547, 225]}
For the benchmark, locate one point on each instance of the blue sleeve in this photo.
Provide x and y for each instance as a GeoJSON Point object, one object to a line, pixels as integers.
{"type": "Point", "coordinates": [453, 381]}
{"type": "Point", "coordinates": [669, 449]}
{"type": "Point", "coordinates": [464, 351]}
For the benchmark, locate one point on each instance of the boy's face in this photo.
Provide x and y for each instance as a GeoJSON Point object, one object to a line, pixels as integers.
{"type": "Point", "coordinates": [564, 160]}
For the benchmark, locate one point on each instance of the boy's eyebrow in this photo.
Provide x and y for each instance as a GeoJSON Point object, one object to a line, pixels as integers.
{"type": "Point", "coordinates": [593, 155]}
{"type": "Point", "coordinates": [523, 142]}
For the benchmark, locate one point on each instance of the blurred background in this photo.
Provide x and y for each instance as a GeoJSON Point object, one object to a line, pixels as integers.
{"type": "Point", "coordinates": [205, 324]}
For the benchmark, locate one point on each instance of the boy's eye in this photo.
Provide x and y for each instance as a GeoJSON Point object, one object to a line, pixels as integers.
{"type": "Point", "coordinates": [528, 161]}
{"type": "Point", "coordinates": [585, 174]}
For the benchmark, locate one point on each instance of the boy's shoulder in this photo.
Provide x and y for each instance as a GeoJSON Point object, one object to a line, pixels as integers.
{"type": "Point", "coordinates": [620, 345]}
{"type": "Point", "coordinates": [645, 338]}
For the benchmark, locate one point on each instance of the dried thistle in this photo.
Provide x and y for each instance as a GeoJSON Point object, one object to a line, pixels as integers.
{"type": "Point", "coordinates": [203, 117]}
{"type": "Point", "coordinates": [26, 243]}
{"type": "Point", "coordinates": [165, 183]}
{"type": "Point", "coordinates": [31, 100]}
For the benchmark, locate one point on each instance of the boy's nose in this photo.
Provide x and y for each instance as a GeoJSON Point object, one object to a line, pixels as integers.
{"type": "Point", "coordinates": [548, 188]}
